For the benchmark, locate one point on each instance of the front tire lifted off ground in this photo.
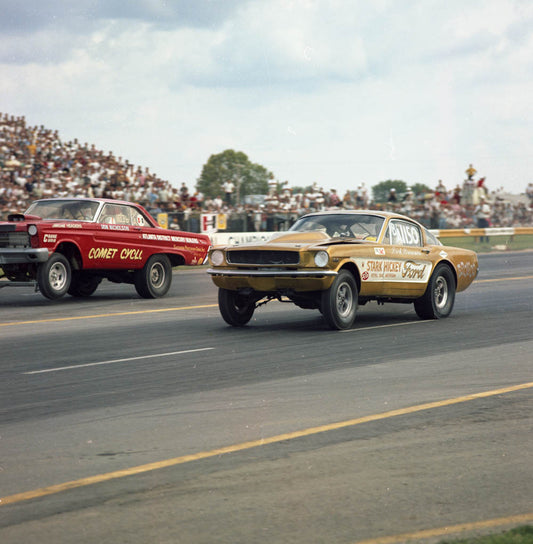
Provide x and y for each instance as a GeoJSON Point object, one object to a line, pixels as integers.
{"type": "Point", "coordinates": [236, 310]}
{"type": "Point", "coordinates": [54, 276]}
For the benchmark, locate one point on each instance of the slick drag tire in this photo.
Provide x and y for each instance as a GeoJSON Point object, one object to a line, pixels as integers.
{"type": "Point", "coordinates": [437, 301]}
{"type": "Point", "coordinates": [339, 302]}
{"type": "Point", "coordinates": [154, 279]}
{"type": "Point", "coordinates": [83, 285]}
{"type": "Point", "coordinates": [235, 309]}
{"type": "Point", "coordinates": [54, 276]}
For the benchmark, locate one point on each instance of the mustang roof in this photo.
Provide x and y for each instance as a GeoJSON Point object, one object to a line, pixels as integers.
{"type": "Point", "coordinates": [378, 213]}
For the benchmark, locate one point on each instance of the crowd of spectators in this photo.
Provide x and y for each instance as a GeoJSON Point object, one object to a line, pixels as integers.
{"type": "Point", "coordinates": [36, 163]}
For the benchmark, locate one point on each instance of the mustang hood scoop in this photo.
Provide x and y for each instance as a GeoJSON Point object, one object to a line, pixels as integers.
{"type": "Point", "coordinates": [301, 237]}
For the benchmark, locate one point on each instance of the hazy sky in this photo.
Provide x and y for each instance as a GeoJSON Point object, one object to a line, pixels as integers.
{"type": "Point", "coordinates": [335, 91]}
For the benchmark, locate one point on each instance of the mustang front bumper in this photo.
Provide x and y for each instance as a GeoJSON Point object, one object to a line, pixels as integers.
{"type": "Point", "coordinates": [273, 273]}
{"type": "Point", "coordinates": [270, 280]}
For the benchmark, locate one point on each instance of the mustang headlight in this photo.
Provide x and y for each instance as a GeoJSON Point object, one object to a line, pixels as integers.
{"type": "Point", "coordinates": [32, 230]}
{"type": "Point", "coordinates": [321, 258]}
{"type": "Point", "coordinates": [217, 257]}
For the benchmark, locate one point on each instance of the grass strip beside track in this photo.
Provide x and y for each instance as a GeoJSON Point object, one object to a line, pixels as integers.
{"type": "Point", "coordinates": [451, 530]}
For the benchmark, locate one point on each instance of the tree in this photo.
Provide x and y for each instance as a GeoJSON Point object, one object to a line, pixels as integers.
{"type": "Point", "coordinates": [381, 191]}
{"type": "Point", "coordinates": [249, 178]}
{"type": "Point", "coordinates": [420, 189]}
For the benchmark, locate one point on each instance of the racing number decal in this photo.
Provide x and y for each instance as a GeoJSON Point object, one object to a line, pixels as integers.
{"type": "Point", "coordinates": [404, 234]}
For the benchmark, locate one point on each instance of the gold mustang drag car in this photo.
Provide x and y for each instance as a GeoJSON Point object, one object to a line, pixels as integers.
{"type": "Point", "coordinates": [335, 261]}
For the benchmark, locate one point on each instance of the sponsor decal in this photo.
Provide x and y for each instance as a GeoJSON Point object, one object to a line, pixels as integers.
{"type": "Point", "coordinates": [443, 254]}
{"type": "Point", "coordinates": [466, 270]}
{"type": "Point", "coordinates": [393, 270]}
{"type": "Point", "coordinates": [412, 270]}
{"type": "Point", "coordinates": [50, 238]}
{"type": "Point", "coordinates": [166, 238]}
{"type": "Point", "coordinates": [109, 226]}
{"type": "Point", "coordinates": [189, 248]}
{"type": "Point", "coordinates": [131, 254]}
{"type": "Point", "coordinates": [109, 253]}
{"type": "Point", "coordinates": [406, 251]}
{"type": "Point", "coordinates": [67, 226]}
{"type": "Point", "coordinates": [379, 250]}
{"type": "Point", "coordinates": [102, 252]}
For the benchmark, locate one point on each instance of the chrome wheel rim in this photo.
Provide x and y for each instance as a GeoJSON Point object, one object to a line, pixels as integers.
{"type": "Point", "coordinates": [344, 300]}
{"type": "Point", "coordinates": [157, 275]}
{"type": "Point", "coordinates": [57, 276]}
{"type": "Point", "coordinates": [441, 292]}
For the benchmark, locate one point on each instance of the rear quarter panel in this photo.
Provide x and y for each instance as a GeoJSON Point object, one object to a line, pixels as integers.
{"type": "Point", "coordinates": [464, 262]}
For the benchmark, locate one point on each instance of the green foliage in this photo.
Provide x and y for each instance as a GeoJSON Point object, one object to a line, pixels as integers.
{"type": "Point", "coordinates": [520, 535]}
{"type": "Point", "coordinates": [302, 190]}
{"type": "Point", "coordinates": [420, 189]}
{"type": "Point", "coordinates": [517, 242]}
{"type": "Point", "coordinates": [248, 178]}
{"type": "Point", "coordinates": [381, 191]}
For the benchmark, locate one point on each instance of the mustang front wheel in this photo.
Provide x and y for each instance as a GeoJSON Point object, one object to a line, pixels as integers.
{"type": "Point", "coordinates": [339, 302]}
{"type": "Point", "coordinates": [235, 309]}
{"type": "Point", "coordinates": [437, 301]}
{"type": "Point", "coordinates": [54, 276]}
{"type": "Point", "coordinates": [154, 279]}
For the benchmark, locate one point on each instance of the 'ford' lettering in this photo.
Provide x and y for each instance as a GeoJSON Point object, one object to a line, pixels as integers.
{"type": "Point", "coordinates": [413, 270]}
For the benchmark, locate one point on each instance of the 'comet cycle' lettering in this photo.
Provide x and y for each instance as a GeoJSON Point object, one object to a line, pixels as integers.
{"type": "Point", "coordinates": [109, 253]}
{"type": "Point", "coordinates": [133, 254]}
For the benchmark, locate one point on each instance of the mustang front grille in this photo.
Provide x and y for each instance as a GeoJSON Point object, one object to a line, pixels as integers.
{"type": "Point", "coordinates": [14, 239]}
{"type": "Point", "coordinates": [260, 258]}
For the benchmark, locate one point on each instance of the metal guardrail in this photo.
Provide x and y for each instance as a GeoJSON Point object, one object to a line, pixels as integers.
{"type": "Point", "coordinates": [237, 238]}
{"type": "Point", "coordinates": [238, 225]}
{"type": "Point", "coordinates": [495, 231]}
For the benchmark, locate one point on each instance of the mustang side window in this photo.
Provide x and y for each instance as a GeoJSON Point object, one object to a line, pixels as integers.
{"type": "Point", "coordinates": [432, 240]}
{"type": "Point", "coordinates": [402, 233]}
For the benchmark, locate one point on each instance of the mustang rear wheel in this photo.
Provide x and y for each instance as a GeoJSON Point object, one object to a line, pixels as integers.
{"type": "Point", "coordinates": [339, 302]}
{"type": "Point", "coordinates": [235, 309]}
{"type": "Point", "coordinates": [437, 301]}
{"type": "Point", "coordinates": [54, 276]}
{"type": "Point", "coordinates": [83, 285]}
{"type": "Point", "coordinates": [154, 279]}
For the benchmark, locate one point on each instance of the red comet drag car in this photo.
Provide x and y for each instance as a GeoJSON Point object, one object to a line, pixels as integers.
{"type": "Point", "coordinates": [68, 245]}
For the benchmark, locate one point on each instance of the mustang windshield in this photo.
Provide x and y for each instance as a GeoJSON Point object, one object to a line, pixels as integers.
{"type": "Point", "coordinates": [360, 226]}
{"type": "Point", "coordinates": [82, 210]}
